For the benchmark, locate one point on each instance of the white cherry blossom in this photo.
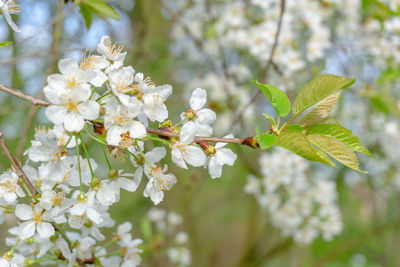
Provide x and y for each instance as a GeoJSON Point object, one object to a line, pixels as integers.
{"type": "Point", "coordinates": [118, 120]}
{"type": "Point", "coordinates": [37, 219]}
{"type": "Point", "coordinates": [9, 187]}
{"type": "Point", "coordinates": [221, 157]}
{"type": "Point", "coordinates": [199, 118]}
{"type": "Point", "coordinates": [153, 102]}
{"type": "Point", "coordinates": [182, 152]}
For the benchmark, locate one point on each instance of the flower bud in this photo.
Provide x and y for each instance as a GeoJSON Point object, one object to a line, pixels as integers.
{"type": "Point", "coordinates": [54, 237]}
{"type": "Point", "coordinates": [207, 147]}
{"type": "Point", "coordinates": [190, 114]}
{"type": "Point", "coordinates": [81, 197]}
{"type": "Point", "coordinates": [8, 255]}
{"type": "Point", "coordinates": [95, 183]}
{"type": "Point", "coordinates": [166, 124]}
{"type": "Point", "coordinates": [29, 241]}
{"type": "Point", "coordinates": [74, 244]}
{"type": "Point", "coordinates": [88, 224]}
{"type": "Point", "coordinates": [113, 173]}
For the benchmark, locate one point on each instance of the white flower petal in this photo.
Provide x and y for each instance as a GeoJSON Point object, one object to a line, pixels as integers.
{"type": "Point", "coordinates": [26, 229]}
{"type": "Point", "coordinates": [206, 116]}
{"type": "Point", "coordinates": [194, 156]}
{"type": "Point", "coordinates": [226, 156]}
{"type": "Point", "coordinates": [89, 109]}
{"type": "Point", "coordinates": [78, 209]}
{"type": "Point", "coordinates": [127, 184]}
{"type": "Point", "coordinates": [177, 157]}
{"type": "Point", "coordinates": [94, 215]}
{"type": "Point", "coordinates": [198, 99]}
{"type": "Point", "coordinates": [214, 168]}
{"type": "Point", "coordinates": [137, 130]}
{"type": "Point", "coordinates": [125, 227]}
{"type": "Point", "coordinates": [10, 197]}
{"type": "Point", "coordinates": [73, 122]}
{"type": "Point", "coordinates": [65, 65]}
{"type": "Point", "coordinates": [188, 132]}
{"type": "Point", "coordinates": [99, 79]}
{"type": "Point", "coordinates": [56, 114]}
{"type": "Point", "coordinates": [114, 135]}
{"type": "Point", "coordinates": [155, 195]}
{"type": "Point", "coordinates": [9, 19]}
{"type": "Point", "coordinates": [45, 230]}
{"type": "Point", "coordinates": [156, 154]}
{"type": "Point", "coordinates": [23, 212]}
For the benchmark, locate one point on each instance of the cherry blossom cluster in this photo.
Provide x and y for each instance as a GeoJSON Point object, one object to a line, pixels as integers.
{"type": "Point", "coordinates": [303, 208]}
{"type": "Point", "coordinates": [235, 39]}
{"type": "Point", "coordinates": [166, 228]}
{"type": "Point", "coordinates": [99, 99]}
{"type": "Point", "coordinates": [375, 37]}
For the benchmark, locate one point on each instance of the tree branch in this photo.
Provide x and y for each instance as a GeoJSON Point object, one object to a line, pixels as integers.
{"type": "Point", "coordinates": [17, 167]}
{"type": "Point", "coordinates": [20, 94]}
{"type": "Point", "coordinates": [165, 132]}
{"type": "Point", "coordinates": [270, 63]}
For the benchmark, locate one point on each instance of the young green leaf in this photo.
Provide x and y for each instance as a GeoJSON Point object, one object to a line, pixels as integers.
{"type": "Point", "coordinates": [321, 110]}
{"type": "Point", "coordinates": [269, 117]}
{"type": "Point", "coordinates": [295, 127]}
{"type": "Point", "coordinates": [318, 89]}
{"type": "Point", "coordinates": [336, 149]}
{"type": "Point", "coordinates": [2, 44]}
{"type": "Point", "coordinates": [265, 140]}
{"type": "Point", "coordinates": [298, 143]}
{"type": "Point", "coordinates": [278, 99]}
{"type": "Point", "coordinates": [101, 8]}
{"type": "Point", "coordinates": [87, 14]}
{"type": "Point", "coordinates": [340, 133]}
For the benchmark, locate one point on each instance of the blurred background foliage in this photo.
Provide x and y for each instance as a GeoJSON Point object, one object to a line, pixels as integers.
{"type": "Point", "coordinates": [226, 226]}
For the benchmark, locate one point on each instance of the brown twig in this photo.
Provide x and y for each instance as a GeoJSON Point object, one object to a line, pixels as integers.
{"type": "Point", "coordinates": [20, 94]}
{"type": "Point", "coordinates": [270, 63]}
{"type": "Point", "coordinates": [248, 141]}
{"type": "Point", "coordinates": [17, 167]}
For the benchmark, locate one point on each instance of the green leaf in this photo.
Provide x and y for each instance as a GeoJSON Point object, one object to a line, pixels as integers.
{"type": "Point", "coordinates": [295, 127]}
{"type": "Point", "coordinates": [298, 143]}
{"type": "Point", "coordinates": [336, 149]}
{"type": "Point", "coordinates": [385, 103]}
{"type": "Point", "coordinates": [342, 134]}
{"type": "Point", "coordinates": [265, 140]}
{"type": "Point", "coordinates": [329, 121]}
{"type": "Point", "coordinates": [389, 75]}
{"type": "Point", "coordinates": [87, 15]}
{"type": "Point", "coordinates": [270, 118]}
{"type": "Point", "coordinates": [2, 44]}
{"type": "Point", "coordinates": [321, 110]}
{"type": "Point", "coordinates": [318, 89]}
{"type": "Point", "coordinates": [278, 99]}
{"type": "Point", "coordinates": [101, 8]}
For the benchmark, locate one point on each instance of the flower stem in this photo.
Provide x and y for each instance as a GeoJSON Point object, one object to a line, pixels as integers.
{"type": "Point", "coordinates": [15, 245]}
{"type": "Point", "coordinates": [79, 163]}
{"type": "Point", "coordinates": [87, 156]}
{"type": "Point", "coordinates": [7, 208]}
{"type": "Point", "coordinates": [105, 156]}
{"type": "Point", "coordinates": [141, 153]}
{"type": "Point", "coordinates": [158, 139]}
{"type": "Point", "coordinates": [94, 138]}
{"type": "Point", "coordinates": [58, 227]}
